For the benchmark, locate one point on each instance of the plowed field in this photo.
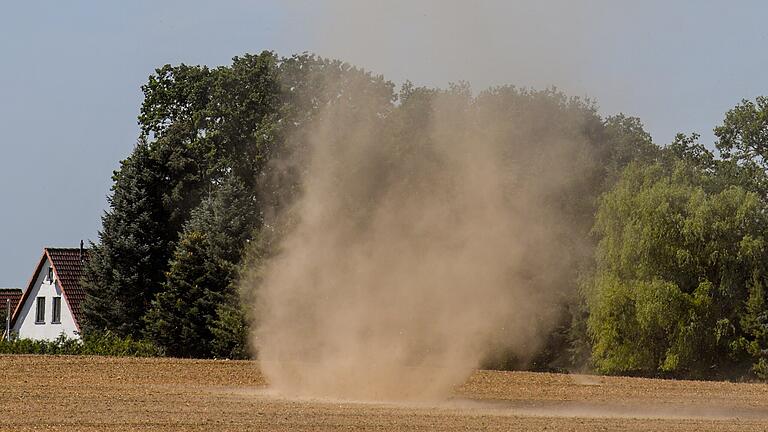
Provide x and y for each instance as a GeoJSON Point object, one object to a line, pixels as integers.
{"type": "Point", "coordinates": [106, 394]}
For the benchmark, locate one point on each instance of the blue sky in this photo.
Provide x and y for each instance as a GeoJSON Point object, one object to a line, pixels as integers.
{"type": "Point", "coordinates": [70, 75]}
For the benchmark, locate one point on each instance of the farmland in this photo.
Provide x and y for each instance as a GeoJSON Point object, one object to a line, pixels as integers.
{"type": "Point", "coordinates": [102, 393]}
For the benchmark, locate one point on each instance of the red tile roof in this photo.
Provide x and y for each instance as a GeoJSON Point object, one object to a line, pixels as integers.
{"type": "Point", "coordinates": [12, 294]}
{"type": "Point", "coordinates": [68, 268]}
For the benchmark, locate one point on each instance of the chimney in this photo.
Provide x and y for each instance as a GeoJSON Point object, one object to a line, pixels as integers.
{"type": "Point", "coordinates": [81, 251]}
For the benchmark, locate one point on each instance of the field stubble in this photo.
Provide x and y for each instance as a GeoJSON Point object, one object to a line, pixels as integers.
{"type": "Point", "coordinates": [101, 393]}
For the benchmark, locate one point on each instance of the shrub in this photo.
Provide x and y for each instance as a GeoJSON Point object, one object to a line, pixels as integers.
{"type": "Point", "coordinates": [106, 343]}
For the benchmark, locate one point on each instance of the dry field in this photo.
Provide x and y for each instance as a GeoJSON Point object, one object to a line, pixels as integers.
{"type": "Point", "coordinates": [106, 394]}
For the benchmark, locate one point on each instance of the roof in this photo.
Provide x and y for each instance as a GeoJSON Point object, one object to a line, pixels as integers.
{"type": "Point", "coordinates": [12, 294]}
{"type": "Point", "coordinates": [68, 268]}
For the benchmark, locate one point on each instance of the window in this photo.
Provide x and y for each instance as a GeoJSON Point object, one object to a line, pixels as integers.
{"type": "Point", "coordinates": [50, 274]}
{"type": "Point", "coordinates": [40, 312]}
{"type": "Point", "coordinates": [56, 316]}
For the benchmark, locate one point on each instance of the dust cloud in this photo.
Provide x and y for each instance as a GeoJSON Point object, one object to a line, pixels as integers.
{"type": "Point", "coordinates": [424, 241]}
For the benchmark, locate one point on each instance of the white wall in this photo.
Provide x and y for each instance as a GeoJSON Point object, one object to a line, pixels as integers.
{"type": "Point", "coordinates": [25, 324]}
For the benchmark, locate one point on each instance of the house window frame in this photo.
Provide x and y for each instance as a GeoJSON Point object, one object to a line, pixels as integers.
{"type": "Point", "coordinates": [50, 274]}
{"type": "Point", "coordinates": [56, 310]}
{"type": "Point", "coordinates": [40, 310]}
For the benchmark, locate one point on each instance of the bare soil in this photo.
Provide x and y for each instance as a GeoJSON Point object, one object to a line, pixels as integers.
{"type": "Point", "coordinates": [101, 393]}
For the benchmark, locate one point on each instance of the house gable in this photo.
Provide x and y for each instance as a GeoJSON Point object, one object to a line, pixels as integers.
{"type": "Point", "coordinates": [66, 267]}
{"type": "Point", "coordinates": [26, 324]}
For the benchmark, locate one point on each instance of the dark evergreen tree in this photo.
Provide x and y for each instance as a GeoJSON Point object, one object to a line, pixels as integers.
{"type": "Point", "coordinates": [179, 317]}
{"type": "Point", "coordinates": [198, 312]}
{"type": "Point", "coordinates": [229, 330]}
{"type": "Point", "coordinates": [127, 265]}
{"type": "Point", "coordinates": [198, 126]}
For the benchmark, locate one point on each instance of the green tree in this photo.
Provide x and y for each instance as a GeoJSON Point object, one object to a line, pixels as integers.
{"type": "Point", "coordinates": [152, 192]}
{"type": "Point", "coordinates": [244, 112]}
{"type": "Point", "coordinates": [125, 269]}
{"type": "Point", "coordinates": [181, 313]}
{"type": "Point", "coordinates": [627, 142]}
{"type": "Point", "coordinates": [198, 312]}
{"type": "Point", "coordinates": [174, 120]}
{"type": "Point", "coordinates": [198, 126]}
{"type": "Point", "coordinates": [743, 136]}
{"type": "Point", "coordinates": [229, 331]}
{"type": "Point", "coordinates": [674, 266]}
{"type": "Point", "coordinates": [743, 145]}
{"type": "Point", "coordinates": [688, 149]}
{"type": "Point", "coordinates": [754, 321]}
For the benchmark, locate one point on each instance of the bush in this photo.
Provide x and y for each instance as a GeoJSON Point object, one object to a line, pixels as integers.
{"type": "Point", "coordinates": [230, 333]}
{"type": "Point", "coordinates": [106, 343]}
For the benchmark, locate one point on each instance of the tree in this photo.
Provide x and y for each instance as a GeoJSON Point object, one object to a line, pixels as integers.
{"type": "Point", "coordinates": [152, 194]}
{"type": "Point", "coordinates": [743, 136]}
{"type": "Point", "coordinates": [743, 145]}
{"type": "Point", "coordinates": [197, 126]}
{"type": "Point", "coordinates": [229, 331]}
{"type": "Point", "coordinates": [181, 313]}
{"type": "Point", "coordinates": [754, 321]}
{"type": "Point", "coordinates": [244, 113]}
{"type": "Point", "coordinates": [627, 142]}
{"type": "Point", "coordinates": [198, 313]}
{"type": "Point", "coordinates": [126, 268]}
{"type": "Point", "coordinates": [174, 120]}
{"type": "Point", "coordinates": [675, 263]}
{"type": "Point", "coordinates": [221, 142]}
{"type": "Point", "coordinates": [205, 124]}
{"type": "Point", "coordinates": [688, 149]}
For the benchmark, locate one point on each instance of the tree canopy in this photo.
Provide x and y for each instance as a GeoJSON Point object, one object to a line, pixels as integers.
{"type": "Point", "coordinates": [676, 266]}
{"type": "Point", "coordinates": [662, 265]}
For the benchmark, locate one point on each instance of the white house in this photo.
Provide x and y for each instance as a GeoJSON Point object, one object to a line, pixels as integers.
{"type": "Point", "coordinates": [51, 303]}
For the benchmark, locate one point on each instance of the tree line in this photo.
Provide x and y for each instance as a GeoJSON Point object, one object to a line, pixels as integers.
{"type": "Point", "coordinates": [666, 243]}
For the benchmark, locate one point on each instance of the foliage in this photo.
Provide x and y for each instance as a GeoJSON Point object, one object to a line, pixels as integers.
{"type": "Point", "coordinates": [229, 331]}
{"type": "Point", "coordinates": [199, 295]}
{"type": "Point", "coordinates": [743, 144]}
{"type": "Point", "coordinates": [662, 263]}
{"type": "Point", "coordinates": [124, 270]}
{"type": "Point", "coordinates": [627, 142]}
{"type": "Point", "coordinates": [675, 266]}
{"type": "Point", "coordinates": [198, 126]}
{"type": "Point", "coordinates": [95, 343]}
{"type": "Point", "coordinates": [743, 136]}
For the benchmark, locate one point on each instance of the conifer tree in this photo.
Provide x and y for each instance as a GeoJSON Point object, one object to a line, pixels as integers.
{"type": "Point", "coordinates": [197, 313]}
{"type": "Point", "coordinates": [126, 266]}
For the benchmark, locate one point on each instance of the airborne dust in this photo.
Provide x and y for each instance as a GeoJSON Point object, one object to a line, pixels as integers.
{"type": "Point", "coordinates": [429, 236]}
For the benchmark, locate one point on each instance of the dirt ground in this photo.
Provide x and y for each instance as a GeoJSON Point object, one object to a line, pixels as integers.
{"type": "Point", "coordinates": [100, 393]}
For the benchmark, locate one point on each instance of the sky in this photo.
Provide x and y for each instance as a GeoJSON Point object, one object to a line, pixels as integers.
{"type": "Point", "coordinates": [71, 75]}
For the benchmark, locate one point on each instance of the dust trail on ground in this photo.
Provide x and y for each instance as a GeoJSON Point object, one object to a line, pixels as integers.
{"type": "Point", "coordinates": [609, 410]}
{"type": "Point", "coordinates": [532, 408]}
